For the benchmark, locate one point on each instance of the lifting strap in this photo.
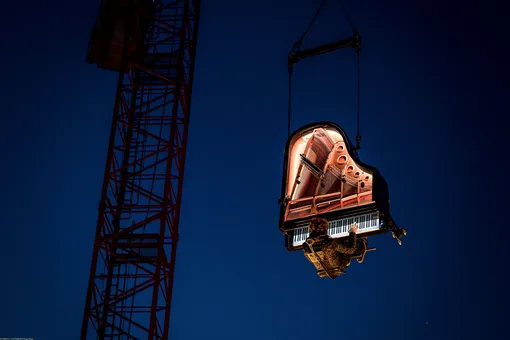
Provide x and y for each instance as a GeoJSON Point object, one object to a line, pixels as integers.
{"type": "Point", "coordinates": [297, 46]}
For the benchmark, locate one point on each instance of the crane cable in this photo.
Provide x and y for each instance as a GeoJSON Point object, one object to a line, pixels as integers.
{"type": "Point", "coordinates": [297, 46]}
{"type": "Point", "coordinates": [358, 52]}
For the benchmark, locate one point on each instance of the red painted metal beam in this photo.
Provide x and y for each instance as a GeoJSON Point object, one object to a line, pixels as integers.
{"type": "Point", "coordinates": [131, 276]}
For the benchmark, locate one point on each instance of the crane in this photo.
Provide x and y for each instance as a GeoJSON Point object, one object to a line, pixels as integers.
{"type": "Point", "coordinates": [151, 45]}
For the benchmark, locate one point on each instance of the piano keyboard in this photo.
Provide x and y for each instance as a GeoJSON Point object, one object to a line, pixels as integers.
{"type": "Point", "coordinates": [340, 227]}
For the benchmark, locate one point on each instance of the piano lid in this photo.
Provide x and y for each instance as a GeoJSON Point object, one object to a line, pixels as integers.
{"type": "Point", "coordinates": [324, 177]}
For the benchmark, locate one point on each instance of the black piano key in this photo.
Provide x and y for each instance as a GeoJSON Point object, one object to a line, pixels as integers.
{"type": "Point", "coordinates": [341, 226]}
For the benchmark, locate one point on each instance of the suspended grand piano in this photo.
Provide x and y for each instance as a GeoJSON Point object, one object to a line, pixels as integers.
{"type": "Point", "coordinates": [323, 177]}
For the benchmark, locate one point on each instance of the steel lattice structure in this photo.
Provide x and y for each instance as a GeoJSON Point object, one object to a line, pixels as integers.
{"type": "Point", "coordinates": [131, 277]}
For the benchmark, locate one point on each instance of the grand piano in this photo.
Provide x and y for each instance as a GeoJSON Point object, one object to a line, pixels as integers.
{"type": "Point", "coordinates": [323, 177]}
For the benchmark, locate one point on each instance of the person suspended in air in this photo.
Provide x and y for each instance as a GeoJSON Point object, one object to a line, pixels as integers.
{"type": "Point", "coordinates": [329, 254]}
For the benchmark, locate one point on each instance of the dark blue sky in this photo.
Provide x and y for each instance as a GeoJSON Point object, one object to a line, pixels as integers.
{"type": "Point", "coordinates": [423, 128]}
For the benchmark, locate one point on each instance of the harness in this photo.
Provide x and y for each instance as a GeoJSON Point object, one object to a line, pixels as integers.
{"type": "Point", "coordinates": [309, 242]}
{"type": "Point", "coordinates": [314, 248]}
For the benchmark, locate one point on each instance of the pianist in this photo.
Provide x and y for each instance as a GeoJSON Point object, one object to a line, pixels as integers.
{"type": "Point", "coordinates": [337, 252]}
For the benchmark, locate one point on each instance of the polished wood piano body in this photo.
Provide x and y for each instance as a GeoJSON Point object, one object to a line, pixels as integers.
{"type": "Point", "coordinates": [323, 177]}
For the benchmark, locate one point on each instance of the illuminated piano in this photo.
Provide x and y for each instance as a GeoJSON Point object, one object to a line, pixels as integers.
{"type": "Point", "coordinates": [323, 177]}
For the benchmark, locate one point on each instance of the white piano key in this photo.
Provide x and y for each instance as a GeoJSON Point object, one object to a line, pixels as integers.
{"type": "Point", "coordinates": [340, 227]}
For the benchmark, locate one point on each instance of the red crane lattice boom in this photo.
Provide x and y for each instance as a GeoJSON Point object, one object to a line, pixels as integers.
{"type": "Point", "coordinates": [152, 45]}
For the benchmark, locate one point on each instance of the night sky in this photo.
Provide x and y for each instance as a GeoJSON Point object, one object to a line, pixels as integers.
{"type": "Point", "coordinates": [424, 119]}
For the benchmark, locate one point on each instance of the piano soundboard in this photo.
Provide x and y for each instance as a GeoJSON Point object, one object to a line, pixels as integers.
{"type": "Point", "coordinates": [340, 227]}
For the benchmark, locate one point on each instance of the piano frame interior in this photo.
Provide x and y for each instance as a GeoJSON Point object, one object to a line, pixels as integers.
{"type": "Point", "coordinates": [378, 196]}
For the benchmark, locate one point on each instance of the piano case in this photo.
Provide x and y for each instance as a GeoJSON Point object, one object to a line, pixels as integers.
{"type": "Point", "coordinates": [324, 177]}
